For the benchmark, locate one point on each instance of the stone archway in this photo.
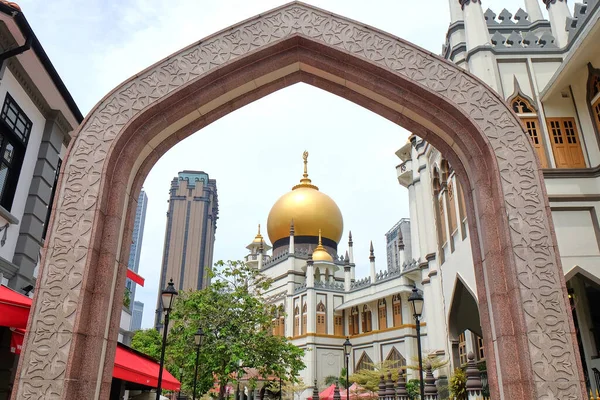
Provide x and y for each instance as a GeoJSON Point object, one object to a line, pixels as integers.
{"type": "Point", "coordinates": [70, 344]}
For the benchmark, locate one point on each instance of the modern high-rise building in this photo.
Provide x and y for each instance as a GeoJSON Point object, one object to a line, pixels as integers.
{"type": "Point", "coordinates": [136, 243]}
{"type": "Point", "coordinates": [190, 233]}
{"type": "Point", "coordinates": [136, 316]}
{"type": "Point", "coordinates": [398, 244]}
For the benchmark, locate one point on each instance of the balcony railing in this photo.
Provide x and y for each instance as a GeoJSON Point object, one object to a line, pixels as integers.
{"type": "Point", "coordinates": [404, 172]}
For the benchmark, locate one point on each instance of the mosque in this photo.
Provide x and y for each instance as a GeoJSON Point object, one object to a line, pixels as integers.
{"type": "Point", "coordinates": [319, 300]}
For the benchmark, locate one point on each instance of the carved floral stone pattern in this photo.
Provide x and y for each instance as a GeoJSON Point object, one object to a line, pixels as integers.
{"type": "Point", "coordinates": [550, 344]}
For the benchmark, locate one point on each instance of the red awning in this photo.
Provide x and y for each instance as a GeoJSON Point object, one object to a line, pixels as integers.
{"type": "Point", "coordinates": [133, 366]}
{"type": "Point", "coordinates": [14, 308]}
{"type": "Point", "coordinates": [135, 277]}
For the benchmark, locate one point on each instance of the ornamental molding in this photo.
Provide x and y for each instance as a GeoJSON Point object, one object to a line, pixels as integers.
{"type": "Point", "coordinates": [50, 336]}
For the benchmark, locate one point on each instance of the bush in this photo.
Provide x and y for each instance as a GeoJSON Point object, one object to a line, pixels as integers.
{"type": "Point", "coordinates": [458, 384]}
{"type": "Point", "coordinates": [414, 389]}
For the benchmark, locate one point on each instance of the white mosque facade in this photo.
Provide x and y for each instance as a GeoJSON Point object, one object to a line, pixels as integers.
{"type": "Point", "coordinates": [548, 71]}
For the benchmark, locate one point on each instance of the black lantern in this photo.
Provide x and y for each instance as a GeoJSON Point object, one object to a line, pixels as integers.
{"type": "Point", "coordinates": [199, 337]}
{"type": "Point", "coordinates": [416, 302]}
{"type": "Point", "coordinates": [168, 295]}
{"type": "Point", "coordinates": [198, 340]}
{"type": "Point", "coordinates": [347, 350]}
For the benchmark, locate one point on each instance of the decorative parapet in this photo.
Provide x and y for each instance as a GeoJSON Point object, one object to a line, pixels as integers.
{"type": "Point", "coordinates": [330, 285]}
{"type": "Point", "coordinates": [581, 15]}
{"type": "Point", "coordinates": [300, 288]}
{"type": "Point", "coordinates": [410, 265]}
{"type": "Point", "coordinates": [388, 274]}
{"type": "Point", "coordinates": [276, 258]}
{"type": "Point", "coordinates": [275, 297]}
{"type": "Point", "coordinates": [360, 283]}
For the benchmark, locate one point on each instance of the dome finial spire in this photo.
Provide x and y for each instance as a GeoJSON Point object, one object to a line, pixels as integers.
{"type": "Point", "coordinates": [305, 181]}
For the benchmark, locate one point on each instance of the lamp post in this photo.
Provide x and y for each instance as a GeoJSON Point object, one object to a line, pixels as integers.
{"type": "Point", "coordinates": [347, 350]}
{"type": "Point", "coordinates": [167, 297]}
{"type": "Point", "coordinates": [416, 302]}
{"type": "Point", "coordinates": [198, 339]}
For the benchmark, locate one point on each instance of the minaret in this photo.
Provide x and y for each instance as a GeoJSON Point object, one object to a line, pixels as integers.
{"type": "Point", "coordinates": [475, 26]}
{"type": "Point", "coordinates": [310, 272]}
{"type": "Point", "coordinates": [261, 251]}
{"type": "Point", "coordinates": [558, 12]}
{"type": "Point", "coordinates": [455, 12]}
{"type": "Point", "coordinates": [347, 276]}
{"type": "Point", "coordinates": [534, 10]}
{"type": "Point", "coordinates": [401, 255]}
{"type": "Point", "coordinates": [291, 249]}
{"type": "Point", "coordinates": [351, 253]}
{"type": "Point", "coordinates": [372, 262]}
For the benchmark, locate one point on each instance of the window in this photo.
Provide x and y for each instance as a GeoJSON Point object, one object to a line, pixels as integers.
{"type": "Point", "coordinates": [365, 362]}
{"type": "Point", "coordinates": [462, 349]}
{"type": "Point", "coordinates": [321, 317]}
{"type": "Point", "coordinates": [14, 134]}
{"type": "Point", "coordinates": [451, 208]}
{"type": "Point", "coordinates": [296, 321]}
{"type": "Point", "coordinates": [531, 126]}
{"type": "Point", "coordinates": [593, 91]}
{"type": "Point", "coordinates": [304, 321]}
{"type": "Point", "coordinates": [366, 319]}
{"type": "Point", "coordinates": [281, 325]}
{"type": "Point", "coordinates": [339, 325]}
{"type": "Point", "coordinates": [480, 349]}
{"type": "Point", "coordinates": [530, 121]}
{"type": "Point", "coordinates": [462, 209]}
{"type": "Point", "coordinates": [353, 321]}
{"type": "Point", "coordinates": [56, 174]}
{"type": "Point", "coordinates": [596, 111]}
{"type": "Point", "coordinates": [565, 143]}
{"type": "Point", "coordinates": [395, 359]}
{"type": "Point", "coordinates": [382, 314]}
{"type": "Point", "coordinates": [397, 310]}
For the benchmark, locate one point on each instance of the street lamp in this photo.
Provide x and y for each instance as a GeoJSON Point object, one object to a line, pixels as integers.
{"type": "Point", "coordinates": [347, 350]}
{"type": "Point", "coordinates": [167, 297]}
{"type": "Point", "coordinates": [416, 302]}
{"type": "Point", "coordinates": [198, 339]}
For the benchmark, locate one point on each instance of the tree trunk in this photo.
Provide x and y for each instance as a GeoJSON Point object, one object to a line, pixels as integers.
{"type": "Point", "coordinates": [222, 391]}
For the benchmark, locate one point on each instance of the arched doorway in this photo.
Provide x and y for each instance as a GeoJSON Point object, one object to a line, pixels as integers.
{"type": "Point", "coordinates": [71, 338]}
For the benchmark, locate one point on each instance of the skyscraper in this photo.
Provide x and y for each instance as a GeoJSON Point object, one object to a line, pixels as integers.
{"type": "Point", "coordinates": [136, 316]}
{"type": "Point", "coordinates": [136, 243]}
{"type": "Point", "coordinates": [190, 233]}
{"type": "Point", "coordinates": [398, 241]}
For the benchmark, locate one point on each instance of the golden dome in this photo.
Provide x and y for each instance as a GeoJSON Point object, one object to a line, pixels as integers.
{"type": "Point", "coordinates": [310, 209]}
{"type": "Point", "coordinates": [320, 254]}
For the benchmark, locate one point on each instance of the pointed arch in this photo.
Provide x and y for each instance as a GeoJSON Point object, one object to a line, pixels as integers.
{"type": "Point", "coordinates": [396, 360]}
{"type": "Point", "coordinates": [296, 321]}
{"type": "Point", "coordinates": [593, 96]}
{"type": "Point", "coordinates": [382, 314]}
{"type": "Point", "coordinates": [365, 362]}
{"type": "Point", "coordinates": [321, 318]}
{"type": "Point", "coordinates": [135, 124]}
{"type": "Point", "coordinates": [464, 311]}
{"type": "Point", "coordinates": [367, 319]}
{"type": "Point", "coordinates": [353, 321]}
{"type": "Point", "coordinates": [304, 318]}
{"type": "Point", "coordinates": [397, 310]}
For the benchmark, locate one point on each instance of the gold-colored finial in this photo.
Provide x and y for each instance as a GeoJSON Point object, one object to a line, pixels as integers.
{"type": "Point", "coordinates": [320, 244]}
{"type": "Point", "coordinates": [305, 181]}
{"type": "Point", "coordinates": [258, 229]}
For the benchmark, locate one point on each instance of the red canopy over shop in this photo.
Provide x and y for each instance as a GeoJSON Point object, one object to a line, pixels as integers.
{"type": "Point", "coordinates": [133, 366]}
{"type": "Point", "coordinates": [14, 308]}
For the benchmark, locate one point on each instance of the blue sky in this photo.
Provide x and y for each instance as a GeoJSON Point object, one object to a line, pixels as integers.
{"type": "Point", "coordinates": [254, 153]}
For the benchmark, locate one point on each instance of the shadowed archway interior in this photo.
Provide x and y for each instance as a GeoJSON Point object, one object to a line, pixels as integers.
{"type": "Point", "coordinates": [71, 340]}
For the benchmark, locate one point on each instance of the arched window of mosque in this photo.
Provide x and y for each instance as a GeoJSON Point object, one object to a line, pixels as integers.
{"type": "Point", "coordinates": [353, 321]}
{"type": "Point", "coordinates": [296, 321]}
{"type": "Point", "coordinates": [594, 94]}
{"type": "Point", "coordinates": [440, 218]}
{"type": "Point", "coordinates": [304, 318]}
{"type": "Point", "coordinates": [338, 321]}
{"type": "Point", "coordinates": [395, 359]}
{"type": "Point", "coordinates": [528, 115]}
{"type": "Point", "coordinates": [365, 362]}
{"type": "Point", "coordinates": [327, 274]}
{"type": "Point", "coordinates": [321, 316]}
{"type": "Point", "coordinates": [462, 349]}
{"type": "Point", "coordinates": [397, 310]}
{"type": "Point", "coordinates": [367, 324]}
{"type": "Point", "coordinates": [382, 314]}
{"type": "Point", "coordinates": [452, 207]}
{"type": "Point", "coordinates": [281, 314]}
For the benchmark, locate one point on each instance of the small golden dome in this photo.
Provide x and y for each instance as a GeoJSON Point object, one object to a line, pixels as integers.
{"type": "Point", "coordinates": [258, 238]}
{"type": "Point", "coordinates": [310, 209]}
{"type": "Point", "coordinates": [320, 254]}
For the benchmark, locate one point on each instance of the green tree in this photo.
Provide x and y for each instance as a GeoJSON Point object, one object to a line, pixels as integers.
{"type": "Point", "coordinates": [331, 379]}
{"type": "Point", "coordinates": [294, 389]}
{"type": "Point", "coordinates": [237, 326]}
{"type": "Point", "coordinates": [458, 384]}
{"type": "Point", "coordinates": [429, 359]}
{"type": "Point", "coordinates": [147, 341]}
{"type": "Point", "coordinates": [368, 379]}
{"type": "Point", "coordinates": [414, 389]}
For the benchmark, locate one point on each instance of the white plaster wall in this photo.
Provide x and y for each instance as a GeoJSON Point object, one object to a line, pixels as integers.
{"type": "Point", "coordinates": [508, 72]}
{"type": "Point", "coordinates": [544, 70]}
{"type": "Point", "coordinates": [11, 85]}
